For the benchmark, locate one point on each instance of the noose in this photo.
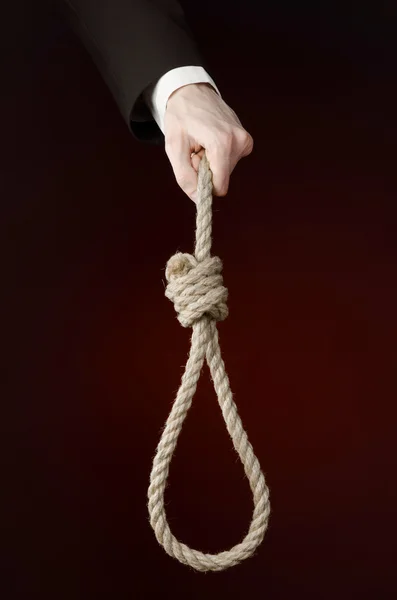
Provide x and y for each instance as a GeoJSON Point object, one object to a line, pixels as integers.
{"type": "Point", "coordinates": [195, 286]}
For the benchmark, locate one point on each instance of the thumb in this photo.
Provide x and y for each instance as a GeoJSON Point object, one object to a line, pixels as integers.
{"type": "Point", "coordinates": [178, 152]}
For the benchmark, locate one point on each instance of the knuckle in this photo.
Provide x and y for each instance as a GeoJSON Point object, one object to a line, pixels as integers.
{"type": "Point", "coordinates": [245, 141]}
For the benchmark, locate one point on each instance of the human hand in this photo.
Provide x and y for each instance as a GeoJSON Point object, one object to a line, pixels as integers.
{"type": "Point", "coordinates": [197, 120]}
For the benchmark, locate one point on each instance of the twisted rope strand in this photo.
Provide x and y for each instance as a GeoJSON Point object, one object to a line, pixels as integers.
{"type": "Point", "coordinates": [195, 286]}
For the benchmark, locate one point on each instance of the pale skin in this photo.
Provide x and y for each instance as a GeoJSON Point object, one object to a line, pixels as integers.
{"type": "Point", "coordinates": [196, 120]}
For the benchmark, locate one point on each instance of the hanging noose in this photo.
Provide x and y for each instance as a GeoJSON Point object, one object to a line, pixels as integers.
{"type": "Point", "coordinates": [195, 286]}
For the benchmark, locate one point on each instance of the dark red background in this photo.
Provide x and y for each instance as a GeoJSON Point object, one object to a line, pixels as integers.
{"type": "Point", "coordinates": [94, 354]}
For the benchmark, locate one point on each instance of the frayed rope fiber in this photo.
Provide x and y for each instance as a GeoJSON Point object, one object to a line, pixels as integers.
{"type": "Point", "coordinates": [195, 286]}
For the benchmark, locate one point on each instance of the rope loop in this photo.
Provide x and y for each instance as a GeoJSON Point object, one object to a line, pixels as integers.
{"type": "Point", "coordinates": [195, 286]}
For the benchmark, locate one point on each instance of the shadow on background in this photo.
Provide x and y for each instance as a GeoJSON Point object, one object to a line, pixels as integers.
{"type": "Point", "coordinates": [94, 354]}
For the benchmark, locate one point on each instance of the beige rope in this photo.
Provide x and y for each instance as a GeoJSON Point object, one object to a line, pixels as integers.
{"type": "Point", "coordinates": [195, 287]}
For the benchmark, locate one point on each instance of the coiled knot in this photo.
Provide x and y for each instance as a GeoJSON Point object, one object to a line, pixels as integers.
{"type": "Point", "coordinates": [196, 288]}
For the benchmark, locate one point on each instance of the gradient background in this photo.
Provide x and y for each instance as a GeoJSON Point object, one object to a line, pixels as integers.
{"type": "Point", "coordinates": [93, 354]}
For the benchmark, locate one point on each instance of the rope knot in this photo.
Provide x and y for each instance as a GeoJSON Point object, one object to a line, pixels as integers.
{"type": "Point", "coordinates": [196, 288]}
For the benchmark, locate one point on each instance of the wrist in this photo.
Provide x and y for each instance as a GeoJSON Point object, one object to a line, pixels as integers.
{"type": "Point", "coordinates": [191, 89]}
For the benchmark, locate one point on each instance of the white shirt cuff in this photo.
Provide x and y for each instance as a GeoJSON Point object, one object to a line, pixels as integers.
{"type": "Point", "coordinates": [156, 96]}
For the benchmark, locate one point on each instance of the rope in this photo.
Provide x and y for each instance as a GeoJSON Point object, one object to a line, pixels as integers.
{"type": "Point", "coordinates": [195, 287]}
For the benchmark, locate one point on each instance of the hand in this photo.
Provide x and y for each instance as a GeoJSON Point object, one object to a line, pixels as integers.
{"type": "Point", "coordinates": [198, 120]}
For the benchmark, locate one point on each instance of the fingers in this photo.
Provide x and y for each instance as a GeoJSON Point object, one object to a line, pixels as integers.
{"type": "Point", "coordinates": [220, 161]}
{"type": "Point", "coordinates": [178, 150]}
{"type": "Point", "coordinates": [223, 155]}
{"type": "Point", "coordinates": [196, 158]}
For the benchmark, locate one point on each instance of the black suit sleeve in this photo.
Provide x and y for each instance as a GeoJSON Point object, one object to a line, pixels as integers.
{"type": "Point", "coordinates": [133, 43]}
